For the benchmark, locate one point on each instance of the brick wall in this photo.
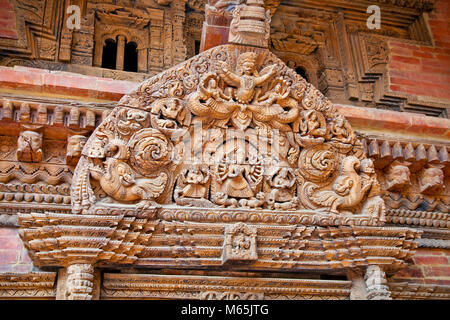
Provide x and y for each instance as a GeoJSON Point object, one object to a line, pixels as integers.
{"type": "Point", "coordinates": [13, 255]}
{"type": "Point", "coordinates": [424, 70]}
{"type": "Point", "coordinates": [7, 20]}
{"type": "Point", "coordinates": [428, 266]}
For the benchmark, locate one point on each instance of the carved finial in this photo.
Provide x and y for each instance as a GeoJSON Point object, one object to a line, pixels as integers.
{"type": "Point", "coordinates": [250, 24]}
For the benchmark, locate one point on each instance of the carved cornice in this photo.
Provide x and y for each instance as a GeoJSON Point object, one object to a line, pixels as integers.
{"type": "Point", "coordinates": [413, 291]}
{"type": "Point", "coordinates": [225, 288]}
{"type": "Point", "coordinates": [36, 285]}
{"type": "Point", "coordinates": [56, 239]}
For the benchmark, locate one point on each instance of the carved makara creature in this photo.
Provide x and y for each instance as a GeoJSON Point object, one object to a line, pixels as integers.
{"type": "Point", "coordinates": [348, 188]}
{"type": "Point", "coordinates": [119, 181]}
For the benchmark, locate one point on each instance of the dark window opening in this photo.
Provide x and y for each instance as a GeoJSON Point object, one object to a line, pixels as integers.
{"type": "Point", "coordinates": [109, 54]}
{"type": "Point", "coordinates": [197, 47]}
{"type": "Point", "coordinates": [131, 57]}
{"type": "Point", "coordinates": [301, 71]}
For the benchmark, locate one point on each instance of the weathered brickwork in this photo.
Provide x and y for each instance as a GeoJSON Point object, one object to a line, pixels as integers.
{"type": "Point", "coordinates": [429, 266]}
{"type": "Point", "coordinates": [422, 69]}
{"type": "Point", "coordinates": [13, 255]}
{"type": "Point", "coordinates": [7, 20]}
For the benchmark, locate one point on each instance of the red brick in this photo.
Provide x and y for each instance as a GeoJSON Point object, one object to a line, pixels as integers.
{"type": "Point", "coordinates": [8, 232]}
{"type": "Point", "coordinates": [405, 66]}
{"type": "Point", "coordinates": [422, 54]}
{"type": "Point", "coordinates": [24, 257]}
{"type": "Point", "coordinates": [410, 272]}
{"type": "Point", "coordinates": [8, 257]}
{"type": "Point", "coordinates": [409, 60]}
{"type": "Point", "coordinates": [11, 243]}
{"type": "Point", "coordinates": [430, 260]}
{"type": "Point", "coordinates": [437, 271]}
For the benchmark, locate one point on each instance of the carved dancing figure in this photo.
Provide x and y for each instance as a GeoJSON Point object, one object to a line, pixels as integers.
{"type": "Point", "coordinates": [192, 187]}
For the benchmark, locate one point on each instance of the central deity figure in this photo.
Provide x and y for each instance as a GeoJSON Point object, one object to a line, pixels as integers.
{"type": "Point", "coordinates": [244, 96]}
{"type": "Point", "coordinates": [247, 78]}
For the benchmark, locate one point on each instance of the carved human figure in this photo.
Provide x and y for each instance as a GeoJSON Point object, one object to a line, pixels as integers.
{"type": "Point", "coordinates": [75, 145]}
{"type": "Point", "coordinates": [247, 77]}
{"type": "Point", "coordinates": [29, 146]}
{"type": "Point", "coordinates": [313, 124]}
{"type": "Point", "coordinates": [236, 176]}
{"type": "Point", "coordinates": [398, 176]}
{"type": "Point", "coordinates": [241, 243]}
{"type": "Point", "coordinates": [341, 131]}
{"type": "Point", "coordinates": [374, 205]}
{"type": "Point", "coordinates": [192, 187]}
{"type": "Point", "coordinates": [215, 91]}
{"type": "Point", "coordinates": [281, 185]}
{"type": "Point", "coordinates": [431, 180]}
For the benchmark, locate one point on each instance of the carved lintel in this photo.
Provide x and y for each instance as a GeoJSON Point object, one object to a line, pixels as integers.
{"type": "Point", "coordinates": [376, 283]}
{"type": "Point", "coordinates": [240, 243]}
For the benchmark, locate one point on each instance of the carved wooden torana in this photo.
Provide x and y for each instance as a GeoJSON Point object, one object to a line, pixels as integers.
{"type": "Point", "coordinates": [229, 158]}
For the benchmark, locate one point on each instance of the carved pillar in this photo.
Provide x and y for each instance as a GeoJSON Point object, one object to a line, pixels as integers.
{"type": "Point", "coordinates": [120, 52]}
{"type": "Point", "coordinates": [178, 8]}
{"type": "Point", "coordinates": [358, 290]}
{"type": "Point", "coordinates": [156, 53]}
{"type": "Point", "coordinates": [167, 38]}
{"type": "Point", "coordinates": [376, 282]}
{"type": "Point", "coordinates": [344, 46]}
{"type": "Point", "coordinates": [80, 282]}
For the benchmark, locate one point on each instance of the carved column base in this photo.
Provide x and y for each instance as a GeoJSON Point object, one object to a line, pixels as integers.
{"type": "Point", "coordinates": [80, 282]}
{"type": "Point", "coordinates": [376, 282]}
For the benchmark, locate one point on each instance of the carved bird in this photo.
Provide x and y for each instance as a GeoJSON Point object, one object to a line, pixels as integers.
{"type": "Point", "coordinates": [118, 181]}
{"type": "Point", "coordinates": [348, 189]}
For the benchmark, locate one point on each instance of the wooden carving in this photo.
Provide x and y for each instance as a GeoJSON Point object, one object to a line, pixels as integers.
{"type": "Point", "coordinates": [240, 243]}
{"type": "Point", "coordinates": [29, 146]}
{"type": "Point", "coordinates": [232, 127]}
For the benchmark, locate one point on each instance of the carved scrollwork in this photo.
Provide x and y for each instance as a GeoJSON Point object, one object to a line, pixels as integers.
{"type": "Point", "coordinates": [150, 149]}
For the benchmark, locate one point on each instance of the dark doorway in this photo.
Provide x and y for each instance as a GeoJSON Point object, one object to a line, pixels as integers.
{"type": "Point", "coordinates": [131, 57]}
{"type": "Point", "coordinates": [109, 54]}
{"type": "Point", "coordinates": [197, 47]}
{"type": "Point", "coordinates": [301, 71]}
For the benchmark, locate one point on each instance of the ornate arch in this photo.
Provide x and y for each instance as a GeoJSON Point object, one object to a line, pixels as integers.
{"type": "Point", "coordinates": [133, 158]}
